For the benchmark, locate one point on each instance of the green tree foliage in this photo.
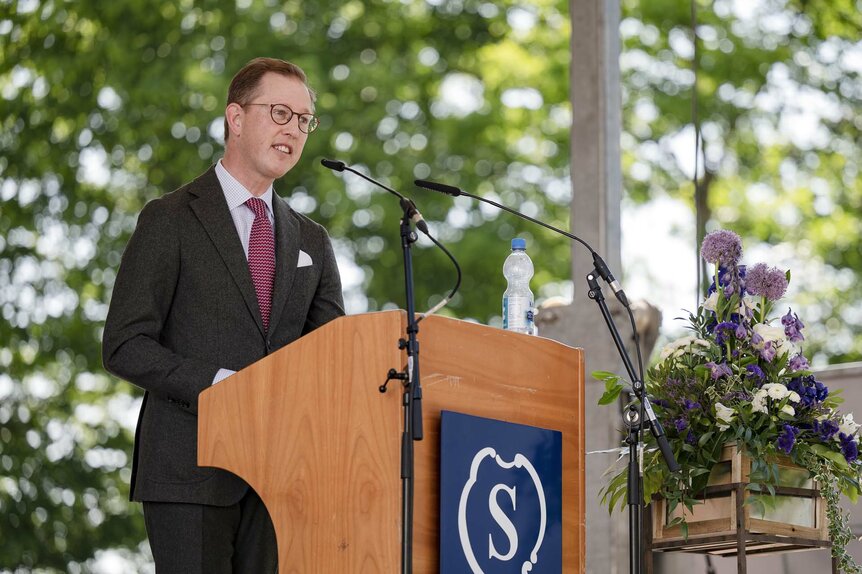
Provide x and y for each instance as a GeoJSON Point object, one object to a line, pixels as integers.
{"type": "Point", "coordinates": [779, 100]}
{"type": "Point", "coordinates": [106, 105]}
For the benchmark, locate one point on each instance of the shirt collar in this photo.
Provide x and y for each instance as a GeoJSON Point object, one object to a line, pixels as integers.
{"type": "Point", "coordinates": [236, 193]}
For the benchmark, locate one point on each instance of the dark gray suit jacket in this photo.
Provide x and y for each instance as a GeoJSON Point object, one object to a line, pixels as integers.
{"type": "Point", "coordinates": [184, 306]}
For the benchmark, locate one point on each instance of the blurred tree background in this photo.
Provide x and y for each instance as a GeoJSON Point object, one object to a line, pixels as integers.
{"type": "Point", "coordinates": [106, 105]}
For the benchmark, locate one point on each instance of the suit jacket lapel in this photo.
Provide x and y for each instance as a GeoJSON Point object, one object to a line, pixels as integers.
{"type": "Point", "coordinates": [210, 207]}
{"type": "Point", "coordinates": [286, 256]}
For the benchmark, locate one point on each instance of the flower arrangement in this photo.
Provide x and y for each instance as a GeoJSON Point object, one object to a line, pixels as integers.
{"type": "Point", "coordinates": [742, 376]}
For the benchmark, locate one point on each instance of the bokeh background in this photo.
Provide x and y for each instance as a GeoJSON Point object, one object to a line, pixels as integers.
{"type": "Point", "coordinates": [105, 105]}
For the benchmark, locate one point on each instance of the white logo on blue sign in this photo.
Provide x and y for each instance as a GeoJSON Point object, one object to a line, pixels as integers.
{"type": "Point", "coordinates": [501, 497]}
{"type": "Point", "coordinates": [497, 513]}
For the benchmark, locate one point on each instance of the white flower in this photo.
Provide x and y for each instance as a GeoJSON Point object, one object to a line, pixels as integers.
{"type": "Point", "coordinates": [794, 397]}
{"type": "Point", "coordinates": [758, 402]}
{"type": "Point", "coordinates": [776, 391]}
{"type": "Point", "coordinates": [779, 340]}
{"type": "Point", "coordinates": [673, 346]}
{"type": "Point", "coordinates": [711, 301]}
{"type": "Point", "coordinates": [724, 414]}
{"type": "Point", "coordinates": [847, 425]}
{"type": "Point", "coordinates": [770, 333]}
{"type": "Point", "coordinates": [788, 409]}
{"type": "Point", "coordinates": [682, 346]}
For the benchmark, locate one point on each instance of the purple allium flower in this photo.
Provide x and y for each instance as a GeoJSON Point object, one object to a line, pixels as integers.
{"type": "Point", "coordinates": [756, 374]}
{"type": "Point", "coordinates": [792, 326]}
{"type": "Point", "coordinates": [849, 448]}
{"type": "Point", "coordinates": [681, 424]}
{"type": "Point", "coordinates": [769, 282]}
{"type": "Point", "coordinates": [825, 429]}
{"type": "Point", "coordinates": [721, 247]}
{"type": "Point", "coordinates": [787, 438]}
{"type": "Point", "coordinates": [799, 363]}
{"type": "Point", "coordinates": [716, 371]}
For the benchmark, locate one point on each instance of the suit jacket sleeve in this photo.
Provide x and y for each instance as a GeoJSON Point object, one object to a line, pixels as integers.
{"type": "Point", "coordinates": [142, 298]}
{"type": "Point", "coordinates": [328, 302]}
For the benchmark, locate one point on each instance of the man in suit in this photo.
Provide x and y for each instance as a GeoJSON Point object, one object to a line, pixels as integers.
{"type": "Point", "coordinates": [218, 274]}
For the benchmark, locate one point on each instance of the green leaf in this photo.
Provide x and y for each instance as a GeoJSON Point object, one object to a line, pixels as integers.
{"type": "Point", "coordinates": [613, 388]}
{"type": "Point", "coordinates": [605, 376]}
{"type": "Point", "coordinates": [831, 455]}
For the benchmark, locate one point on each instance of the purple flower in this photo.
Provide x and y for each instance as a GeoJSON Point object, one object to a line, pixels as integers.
{"type": "Point", "coordinates": [725, 330]}
{"type": "Point", "coordinates": [756, 374]}
{"type": "Point", "coordinates": [716, 371]}
{"type": "Point", "coordinates": [690, 405]}
{"type": "Point", "coordinates": [810, 390]}
{"type": "Point", "coordinates": [799, 363]}
{"type": "Point", "coordinates": [825, 429]}
{"type": "Point", "coordinates": [681, 424]}
{"type": "Point", "coordinates": [721, 247]}
{"type": "Point", "coordinates": [792, 326]}
{"type": "Point", "coordinates": [769, 282]}
{"type": "Point", "coordinates": [691, 438]}
{"type": "Point", "coordinates": [767, 353]}
{"type": "Point", "coordinates": [787, 438]}
{"type": "Point", "coordinates": [849, 448]}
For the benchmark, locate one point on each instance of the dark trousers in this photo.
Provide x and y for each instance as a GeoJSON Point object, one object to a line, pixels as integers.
{"type": "Point", "coordinates": [201, 539]}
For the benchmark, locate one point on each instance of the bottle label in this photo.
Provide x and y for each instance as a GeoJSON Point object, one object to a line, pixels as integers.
{"type": "Point", "coordinates": [518, 314]}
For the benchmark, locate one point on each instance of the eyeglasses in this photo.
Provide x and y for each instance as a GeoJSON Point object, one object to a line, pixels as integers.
{"type": "Point", "coordinates": [281, 114]}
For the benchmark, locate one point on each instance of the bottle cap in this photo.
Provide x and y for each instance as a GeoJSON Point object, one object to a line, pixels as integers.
{"type": "Point", "coordinates": [519, 243]}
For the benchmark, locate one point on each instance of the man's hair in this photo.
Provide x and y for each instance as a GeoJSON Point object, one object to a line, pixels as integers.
{"type": "Point", "coordinates": [244, 84]}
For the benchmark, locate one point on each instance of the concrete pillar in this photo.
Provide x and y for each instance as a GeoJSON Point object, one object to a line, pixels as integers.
{"type": "Point", "coordinates": [596, 191]}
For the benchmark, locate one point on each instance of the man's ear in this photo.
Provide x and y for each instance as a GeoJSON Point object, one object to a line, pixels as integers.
{"type": "Point", "coordinates": [234, 115]}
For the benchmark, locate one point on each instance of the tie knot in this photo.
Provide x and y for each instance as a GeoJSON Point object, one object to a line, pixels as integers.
{"type": "Point", "coordinates": [257, 205]}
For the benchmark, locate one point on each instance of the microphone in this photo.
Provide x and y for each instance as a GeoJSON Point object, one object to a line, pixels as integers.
{"type": "Point", "coordinates": [333, 164]}
{"type": "Point", "coordinates": [601, 267]}
{"type": "Point", "coordinates": [441, 187]}
{"type": "Point", "coordinates": [406, 204]}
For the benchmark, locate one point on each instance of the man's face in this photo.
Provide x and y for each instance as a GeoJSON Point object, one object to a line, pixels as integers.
{"type": "Point", "coordinates": [266, 150]}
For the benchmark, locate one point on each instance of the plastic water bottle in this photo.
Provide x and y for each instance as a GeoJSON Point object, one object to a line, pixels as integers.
{"type": "Point", "coordinates": [518, 299]}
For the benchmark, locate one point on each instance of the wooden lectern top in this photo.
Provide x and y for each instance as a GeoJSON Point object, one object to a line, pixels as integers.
{"type": "Point", "coordinates": [309, 430]}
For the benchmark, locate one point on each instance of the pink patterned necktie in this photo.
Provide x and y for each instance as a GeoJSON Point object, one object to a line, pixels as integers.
{"type": "Point", "coordinates": [261, 257]}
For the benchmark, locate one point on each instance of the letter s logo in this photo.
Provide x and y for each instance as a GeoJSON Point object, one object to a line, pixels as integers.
{"type": "Point", "coordinates": [505, 524]}
{"type": "Point", "coordinates": [520, 461]}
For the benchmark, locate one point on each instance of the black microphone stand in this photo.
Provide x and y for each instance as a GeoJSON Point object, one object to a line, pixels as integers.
{"type": "Point", "coordinates": [634, 416]}
{"type": "Point", "coordinates": [412, 397]}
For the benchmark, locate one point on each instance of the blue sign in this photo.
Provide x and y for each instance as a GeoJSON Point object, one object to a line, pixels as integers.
{"type": "Point", "coordinates": [501, 495]}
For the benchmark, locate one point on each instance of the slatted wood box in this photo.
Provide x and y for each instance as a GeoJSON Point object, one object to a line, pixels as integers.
{"type": "Point", "coordinates": [724, 525]}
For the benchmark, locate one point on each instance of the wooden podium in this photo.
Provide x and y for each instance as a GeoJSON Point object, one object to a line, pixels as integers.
{"type": "Point", "coordinates": [309, 430]}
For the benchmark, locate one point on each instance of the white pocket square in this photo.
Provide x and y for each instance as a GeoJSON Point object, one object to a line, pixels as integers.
{"type": "Point", "coordinates": [304, 259]}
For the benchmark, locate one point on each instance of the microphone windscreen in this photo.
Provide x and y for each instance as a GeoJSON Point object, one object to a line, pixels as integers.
{"type": "Point", "coordinates": [333, 164]}
{"type": "Point", "coordinates": [441, 187]}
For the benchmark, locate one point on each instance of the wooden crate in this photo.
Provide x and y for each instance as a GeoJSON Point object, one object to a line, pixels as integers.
{"type": "Point", "coordinates": [723, 525]}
